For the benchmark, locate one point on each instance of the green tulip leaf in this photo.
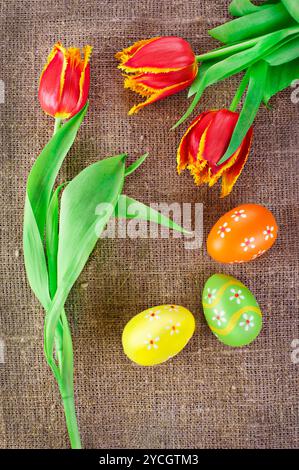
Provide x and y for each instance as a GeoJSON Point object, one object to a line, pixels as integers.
{"type": "Point", "coordinates": [293, 8]}
{"type": "Point", "coordinates": [280, 77]}
{"type": "Point", "coordinates": [52, 238]}
{"type": "Point", "coordinates": [285, 53]}
{"type": "Point", "coordinates": [267, 20]}
{"type": "Point", "coordinates": [129, 208]}
{"type": "Point", "coordinates": [34, 256]}
{"type": "Point", "coordinates": [245, 7]}
{"type": "Point", "coordinates": [254, 97]}
{"type": "Point", "coordinates": [130, 169]}
{"type": "Point", "coordinates": [86, 206]}
{"type": "Point", "coordinates": [63, 340]}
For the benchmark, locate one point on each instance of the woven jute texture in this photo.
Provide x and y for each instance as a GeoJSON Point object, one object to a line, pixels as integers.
{"type": "Point", "coordinates": [210, 395]}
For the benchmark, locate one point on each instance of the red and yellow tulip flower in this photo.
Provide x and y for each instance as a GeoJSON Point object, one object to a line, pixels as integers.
{"type": "Point", "coordinates": [64, 82]}
{"type": "Point", "coordinates": [205, 142]}
{"type": "Point", "coordinates": [157, 68]}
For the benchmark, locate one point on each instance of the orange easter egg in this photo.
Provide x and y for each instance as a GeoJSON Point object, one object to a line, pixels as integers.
{"type": "Point", "coordinates": [242, 234]}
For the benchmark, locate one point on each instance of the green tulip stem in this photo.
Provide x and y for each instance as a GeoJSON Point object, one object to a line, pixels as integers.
{"type": "Point", "coordinates": [57, 125]}
{"type": "Point", "coordinates": [71, 422]}
{"type": "Point", "coordinates": [227, 50]}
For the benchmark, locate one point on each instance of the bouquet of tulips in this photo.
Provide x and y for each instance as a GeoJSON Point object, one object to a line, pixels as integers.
{"type": "Point", "coordinates": [262, 43]}
{"type": "Point", "coordinates": [60, 234]}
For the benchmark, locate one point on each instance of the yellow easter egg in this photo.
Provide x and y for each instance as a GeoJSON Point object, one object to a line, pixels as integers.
{"type": "Point", "coordinates": [157, 334]}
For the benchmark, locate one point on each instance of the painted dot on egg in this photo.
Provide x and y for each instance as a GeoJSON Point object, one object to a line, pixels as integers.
{"type": "Point", "coordinates": [157, 334]}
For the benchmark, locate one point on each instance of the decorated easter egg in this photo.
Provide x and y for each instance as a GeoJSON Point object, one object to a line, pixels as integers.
{"type": "Point", "coordinates": [157, 334]}
{"type": "Point", "coordinates": [242, 234]}
{"type": "Point", "coordinates": [231, 310]}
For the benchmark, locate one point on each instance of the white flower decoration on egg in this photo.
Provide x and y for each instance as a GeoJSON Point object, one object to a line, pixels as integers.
{"type": "Point", "coordinates": [151, 342]}
{"type": "Point", "coordinates": [219, 316]}
{"type": "Point", "coordinates": [153, 315]}
{"type": "Point", "coordinates": [237, 296]}
{"type": "Point", "coordinates": [239, 214]}
{"type": "Point", "coordinates": [248, 243]}
{"type": "Point", "coordinates": [248, 322]}
{"type": "Point", "coordinates": [223, 229]}
{"type": "Point", "coordinates": [268, 233]}
{"type": "Point", "coordinates": [174, 328]}
{"type": "Point", "coordinates": [211, 295]}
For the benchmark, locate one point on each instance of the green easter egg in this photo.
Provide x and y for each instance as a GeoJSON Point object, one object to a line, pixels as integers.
{"type": "Point", "coordinates": [231, 310]}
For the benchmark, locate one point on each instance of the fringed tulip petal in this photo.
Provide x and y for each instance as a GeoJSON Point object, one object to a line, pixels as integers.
{"type": "Point", "coordinates": [84, 81]}
{"type": "Point", "coordinates": [230, 177]}
{"type": "Point", "coordinates": [159, 95]}
{"type": "Point", "coordinates": [203, 145]}
{"type": "Point", "coordinates": [126, 54]}
{"type": "Point", "coordinates": [52, 80]}
{"type": "Point", "coordinates": [157, 68]}
{"type": "Point", "coordinates": [157, 81]}
{"type": "Point", "coordinates": [189, 146]}
{"type": "Point", "coordinates": [169, 53]}
{"type": "Point", "coordinates": [64, 82]}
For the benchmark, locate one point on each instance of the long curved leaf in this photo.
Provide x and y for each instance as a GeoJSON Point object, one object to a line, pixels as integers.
{"type": "Point", "coordinates": [129, 208]}
{"type": "Point", "coordinates": [38, 193]}
{"type": "Point", "coordinates": [245, 7]}
{"type": "Point", "coordinates": [225, 51]}
{"type": "Point", "coordinates": [280, 77]}
{"type": "Point", "coordinates": [62, 328]}
{"type": "Point", "coordinates": [80, 227]}
{"type": "Point", "coordinates": [293, 8]}
{"type": "Point", "coordinates": [261, 22]}
{"type": "Point", "coordinates": [52, 239]}
{"type": "Point", "coordinates": [34, 256]}
{"type": "Point", "coordinates": [286, 53]}
{"type": "Point", "coordinates": [254, 97]}
{"type": "Point", "coordinates": [130, 169]}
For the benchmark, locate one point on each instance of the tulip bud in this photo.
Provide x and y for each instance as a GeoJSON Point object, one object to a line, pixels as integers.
{"type": "Point", "coordinates": [64, 82]}
{"type": "Point", "coordinates": [205, 142]}
{"type": "Point", "coordinates": [157, 68]}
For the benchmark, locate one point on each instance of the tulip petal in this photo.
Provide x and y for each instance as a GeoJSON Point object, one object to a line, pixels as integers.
{"type": "Point", "coordinates": [84, 79]}
{"type": "Point", "coordinates": [71, 90]}
{"type": "Point", "coordinates": [230, 176]}
{"type": "Point", "coordinates": [159, 95]}
{"type": "Point", "coordinates": [76, 82]}
{"type": "Point", "coordinates": [200, 172]}
{"type": "Point", "coordinates": [124, 55]}
{"type": "Point", "coordinates": [155, 55]}
{"type": "Point", "coordinates": [133, 84]}
{"type": "Point", "coordinates": [159, 86]}
{"type": "Point", "coordinates": [218, 137]}
{"type": "Point", "coordinates": [52, 80]}
{"type": "Point", "coordinates": [187, 153]}
{"type": "Point", "coordinates": [157, 81]}
{"type": "Point", "coordinates": [214, 143]}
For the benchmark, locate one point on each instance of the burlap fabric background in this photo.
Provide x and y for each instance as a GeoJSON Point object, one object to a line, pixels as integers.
{"type": "Point", "coordinates": [210, 395]}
